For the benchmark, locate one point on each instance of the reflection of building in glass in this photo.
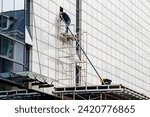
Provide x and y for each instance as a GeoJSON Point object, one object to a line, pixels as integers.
{"type": "Point", "coordinates": [13, 24]}
{"type": "Point", "coordinates": [12, 41]}
{"type": "Point", "coordinates": [113, 34]}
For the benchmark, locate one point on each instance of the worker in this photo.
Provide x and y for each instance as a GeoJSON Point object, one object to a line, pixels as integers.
{"type": "Point", "coordinates": [105, 81]}
{"type": "Point", "coordinates": [65, 17]}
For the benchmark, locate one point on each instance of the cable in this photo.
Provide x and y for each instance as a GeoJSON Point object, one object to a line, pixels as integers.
{"type": "Point", "coordinates": [78, 44]}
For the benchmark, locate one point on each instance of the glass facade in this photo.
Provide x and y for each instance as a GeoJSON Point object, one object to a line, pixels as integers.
{"type": "Point", "coordinates": [12, 36]}
{"type": "Point", "coordinates": [6, 47]}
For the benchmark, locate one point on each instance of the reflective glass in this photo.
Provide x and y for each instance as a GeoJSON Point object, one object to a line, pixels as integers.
{"type": "Point", "coordinates": [8, 5]}
{"type": "Point", "coordinates": [12, 24]}
{"type": "Point", "coordinates": [6, 47]}
{"type": "Point", "coordinates": [19, 4]}
{"type": "Point", "coordinates": [6, 65]}
{"type": "Point", "coordinates": [17, 67]}
{"type": "Point", "coordinates": [3, 21]}
{"type": "Point", "coordinates": [11, 49]}
{"type": "Point", "coordinates": [12, 18]}
{"type": "Point", "coordinates": [18, 52]}
{"type": "Point", "coordinates": [9, 66]}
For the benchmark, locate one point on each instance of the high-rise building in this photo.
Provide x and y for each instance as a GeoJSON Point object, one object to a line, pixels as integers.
{"type": "Point", "coordinates": [107, 39]}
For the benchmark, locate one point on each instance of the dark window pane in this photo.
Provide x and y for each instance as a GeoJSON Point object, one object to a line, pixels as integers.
{"type": "Point", "coordinates": [77, 15]}
{"type": "Point", "coordinates": [78, 75]}
{"type": "Point", "coordinates": [78, 26]}
{"type": "Point", "coordinates": [27, 58]}
{"type": "Point", "coordinates": [5, 65]}
{"type": "Point", "coordinates": [9, 66]}
{"type": "Point", "coordinates": [3, 21]}
{"type": "Point", "coordinates": [6, 47]}
{"type": "Point", "coordinates": [28, 12]}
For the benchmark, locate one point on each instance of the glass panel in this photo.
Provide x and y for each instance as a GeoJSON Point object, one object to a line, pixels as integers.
{"type": "Point", "coordinates": [27, 58]}
{"type": "Point", "coordinates": [78, 13]}
{"type": "Point", "coordinates": [9, 66]}
{"type": "Point", "coordinates": [19, 4]}
{"type": "Point", "coordinates": [0, 6]}
{"type": "Point", "coordinates": [12, 18]}
{"type": "Point", "coordinates": [6, 65]}
{"type": "Point", "coordinates": [8, 5]}
{"type": "Point", "coordinates": [17, 67]}
{"type": "Point", "coordinates": [11, 49]}
{"type": "Point", "coordinates": [6, 47]}
{"type": "Point", "coordinates": [3, 21]}
{"type": "Point", "coordinates": [78, 75]}
{"type": "Point", "coordinates": [18, 52]}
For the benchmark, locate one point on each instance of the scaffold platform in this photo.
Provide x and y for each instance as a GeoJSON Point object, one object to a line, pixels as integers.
{"type": "Point", "coordinates": [99, 92]}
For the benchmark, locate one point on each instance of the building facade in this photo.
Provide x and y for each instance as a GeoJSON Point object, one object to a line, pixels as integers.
{"type": "Point", "coordinates": [114, 34]}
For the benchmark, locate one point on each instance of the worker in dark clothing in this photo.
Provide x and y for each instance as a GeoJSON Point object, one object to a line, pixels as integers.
{"type": "Point", "coordinates": [64, 16]}
{"type": "Point", "coordinates": [106, 81]}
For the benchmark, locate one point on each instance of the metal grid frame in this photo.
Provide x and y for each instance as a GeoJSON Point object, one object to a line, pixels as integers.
{"type": "Point", "coordinates": [101, 92]}
{"type": "Point", "coordinates": [67, 58]}
{"type": "Point", "coordinates": [17, 94]}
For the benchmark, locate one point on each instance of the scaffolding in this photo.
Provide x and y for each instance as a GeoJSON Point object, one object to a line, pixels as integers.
{"type": "Point", "coordinates": [67, 58]}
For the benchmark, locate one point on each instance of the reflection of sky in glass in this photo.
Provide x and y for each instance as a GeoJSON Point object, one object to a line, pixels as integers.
{"type": "Point", "coordinates": [8, 5]}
